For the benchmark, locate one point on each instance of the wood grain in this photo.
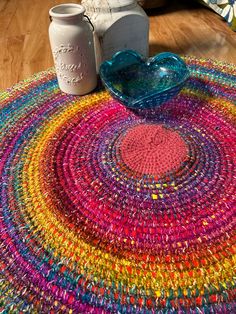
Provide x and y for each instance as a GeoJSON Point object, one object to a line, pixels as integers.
{"type": "Point", "coordinates": [179, 27]}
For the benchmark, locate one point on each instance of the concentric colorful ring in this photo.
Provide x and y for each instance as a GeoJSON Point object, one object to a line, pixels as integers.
{"type": "Point", "coordinates": [85, 229]}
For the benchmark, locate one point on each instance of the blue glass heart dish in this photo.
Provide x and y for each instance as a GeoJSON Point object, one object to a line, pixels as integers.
{"type": "Point", "coordinates": [144, 84]}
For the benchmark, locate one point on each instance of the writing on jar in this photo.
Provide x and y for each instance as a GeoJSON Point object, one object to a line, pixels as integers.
{"type": "Point", "coordinates": [70, 67]}
{"type": "Point", "coordinates": [71, 80]}
{"type": "Point", "coordinates": [60, 54]}
{"type": "Point", "coordinates": [64, 49]}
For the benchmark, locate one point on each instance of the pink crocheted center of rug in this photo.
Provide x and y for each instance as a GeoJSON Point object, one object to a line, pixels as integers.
{"type": "Point", "coordinates": [153, 149]}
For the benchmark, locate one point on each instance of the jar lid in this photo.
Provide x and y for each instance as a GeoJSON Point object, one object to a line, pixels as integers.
{"type": "Point", "coordinates": [108, 5]}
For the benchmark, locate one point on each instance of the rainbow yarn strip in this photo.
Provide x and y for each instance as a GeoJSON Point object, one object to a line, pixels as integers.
{"type": "Point", "coordinates": [93, 218]}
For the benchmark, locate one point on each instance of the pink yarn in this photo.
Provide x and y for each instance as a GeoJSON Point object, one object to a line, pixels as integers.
{"type": "Point", "coordinates": [153, 149]}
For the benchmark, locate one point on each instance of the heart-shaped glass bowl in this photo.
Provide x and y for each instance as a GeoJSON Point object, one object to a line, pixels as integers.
{"type": "Point", "coordinates": [143, 84]}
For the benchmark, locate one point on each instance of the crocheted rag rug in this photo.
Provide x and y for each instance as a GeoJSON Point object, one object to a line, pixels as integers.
{"type": "Point", "coordinates": [103, 210]}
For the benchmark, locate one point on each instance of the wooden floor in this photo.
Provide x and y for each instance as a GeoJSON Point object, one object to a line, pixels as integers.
{"type": "Point", "coordinates": [181, 27]}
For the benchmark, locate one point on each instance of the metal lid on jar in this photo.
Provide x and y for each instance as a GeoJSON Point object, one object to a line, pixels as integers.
{"type": "Point", "coordinates": [108, 5]}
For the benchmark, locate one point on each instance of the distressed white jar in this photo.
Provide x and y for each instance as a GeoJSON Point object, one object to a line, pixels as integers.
{"type": "Point", "coordinates": [71, 39]}
{"type": "Point", "coordinates": [119, 25]}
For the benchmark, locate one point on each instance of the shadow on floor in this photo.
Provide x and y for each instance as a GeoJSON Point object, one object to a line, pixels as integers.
{"type": "Point", "coordinates": [173, 6]}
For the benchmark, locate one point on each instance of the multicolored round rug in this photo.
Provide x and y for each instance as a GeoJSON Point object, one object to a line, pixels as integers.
{"type": "Point", "coordinates": [106, 211]}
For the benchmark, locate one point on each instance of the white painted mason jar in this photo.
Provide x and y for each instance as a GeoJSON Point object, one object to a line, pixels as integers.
{"type": "Point", "coordinates": [119, 25]}
{"type": "Point", "coordinates": [71, 39]}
